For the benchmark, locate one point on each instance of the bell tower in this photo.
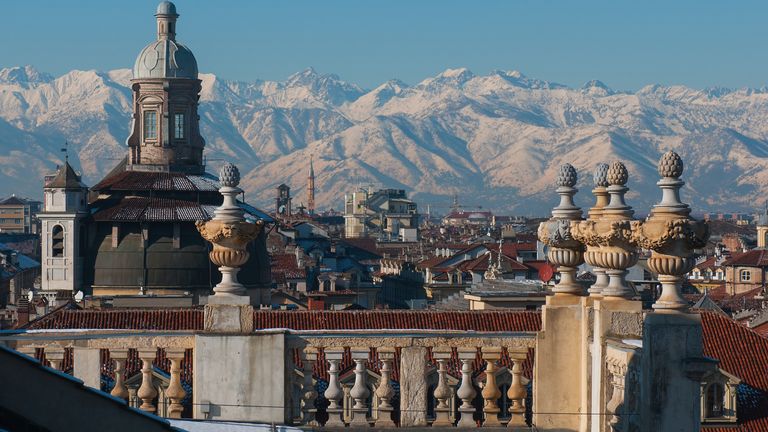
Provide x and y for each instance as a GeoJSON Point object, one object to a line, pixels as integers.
{"type": "Point", "coordinates": [65, 202]}
{"type": "Point", "coordinates": [762, 228]}
{"type": "Point", "coordinates": [165, 132]}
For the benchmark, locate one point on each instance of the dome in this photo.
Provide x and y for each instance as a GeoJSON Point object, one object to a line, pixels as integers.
{"type": "Point", "coordinates": [165, 58]}
{"type": "Point", "coordinates": [166, 8]}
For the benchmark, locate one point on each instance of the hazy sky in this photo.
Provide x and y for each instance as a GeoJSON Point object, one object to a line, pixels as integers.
{"type": "Point", "coordinates": [626, 44]}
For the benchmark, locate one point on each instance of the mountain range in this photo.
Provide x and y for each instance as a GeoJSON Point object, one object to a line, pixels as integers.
{"type": "Point", "coordinates": [493, 140]}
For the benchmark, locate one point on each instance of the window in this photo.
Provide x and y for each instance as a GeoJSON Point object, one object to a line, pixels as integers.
{"type": "Point", "coordinates": [150, 125]}
{"type": "Point", "coordinates": [715, 398]}
{"type": "Point", "coordinates": [57, 241]}
{"type": "Point", "coordinates": [746, 275]}
{"type": "Point", "coordinates": [178, 126]}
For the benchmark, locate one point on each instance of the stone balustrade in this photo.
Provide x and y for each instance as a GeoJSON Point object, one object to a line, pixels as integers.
{"type": "Point", "coordinates": [155, 377]}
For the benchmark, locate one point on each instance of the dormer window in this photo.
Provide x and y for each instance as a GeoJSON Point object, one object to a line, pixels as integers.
{"type": "Point", "coordinates": [715, 400]}
{"type": "Point", "coordinates": [150, 125]}
{"type": "Point", "coordinates": [178, 126]}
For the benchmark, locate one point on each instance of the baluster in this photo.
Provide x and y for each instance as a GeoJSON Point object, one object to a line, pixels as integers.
{"type": "Point", "coordinates": [384, 391]}
{"type": "Point", "coordinates": [517, 391]}
{"type": "Point", "coordinates": [119, 356]}
{"type": "Point", "coordinates": [334, 393]}
{"type": "Point", "coordinates": [442, 391]}
{"type": "Point", "coordinates": [466, 390]}
{"type": "Point", "coordinates": [491, 391]}
{"type": "Point", "coordinates": [308, 391]}
{"type": "Point", "coordinates": [55, 355]}
{"type": "Point", "coordinates": [175, 391]}
{"type": "Point", "coordinates": [359, 391]}
{"type": "Point", "coordinates": [147, 392]}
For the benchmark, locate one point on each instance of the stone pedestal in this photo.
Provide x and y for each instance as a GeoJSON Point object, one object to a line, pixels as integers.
{"type": "Point", "coordinates": [241, 378]}
{"type": "Point", "coordinates": [672, 364]}
{"type": "Point", "coordinates": [87, 366]}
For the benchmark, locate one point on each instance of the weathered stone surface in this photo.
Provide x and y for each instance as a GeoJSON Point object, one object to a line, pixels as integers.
{"type": "Point", "coordinates": [413, 386]}
{"type": "Point", "coordinates": [87, 366]}
{"type": "Point", "coordinates": [228, 318]}
{"type": "Point", "coordinates": [628, 324]}
{"type": "Point", "coordinates": [299, 340]}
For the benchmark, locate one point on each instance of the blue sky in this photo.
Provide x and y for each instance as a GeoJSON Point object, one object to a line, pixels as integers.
{"type": "Point", "coordinates": [626, 44]}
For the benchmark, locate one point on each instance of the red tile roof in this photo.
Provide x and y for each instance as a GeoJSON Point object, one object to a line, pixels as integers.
{"type": "Point", "coordinates": [158, 181]}
{"type": "Point", "coordinates": [495, 321]}
{"type": "Point", "coordinates": [753, 258]}
{"type": "Point", "coordinates": [121, 319]}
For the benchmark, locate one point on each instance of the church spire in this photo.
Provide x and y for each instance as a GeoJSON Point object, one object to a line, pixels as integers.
{"type": "Point", "coordinates": [311, 187]}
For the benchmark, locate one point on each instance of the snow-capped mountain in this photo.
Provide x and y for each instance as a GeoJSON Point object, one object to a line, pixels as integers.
{"type": "Point", "coordinates": [495, 140]}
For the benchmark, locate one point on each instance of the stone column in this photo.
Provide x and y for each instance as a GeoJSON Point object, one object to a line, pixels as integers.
{"type": "Point", "coordinates": [466, 391]}
{"type": "Point", "coordinates": [147, 392]}
{"type": "Point", "coordinates": [413, 386]}
{"type": "Point", "coordinates": [517, 391]}
{"type": "Point", "coordinates": [119, 356]}
{"type": "Point", "coordinates": [491, 391]}
{"type": "Point", "coordinates": [672, 236]}
{"type": "Point", "coordinates": [384, 391]}
{"type": "Point", "coordinates": [334, 393]}
{"type": "Point", "coordinates": [55, 355]}
{"type": "Point", "coordinates": [600, 179]}
{"type": "Point", "coordinates": [442, 391]}
{"type": "Point", "coordinates": [308, 392]}
{"type": "Point", "coordinates": [359, 391]}
{"type": "Point", "coordinates": [564, 251]}
{"type": "Point", "coordinates": [175, 391]}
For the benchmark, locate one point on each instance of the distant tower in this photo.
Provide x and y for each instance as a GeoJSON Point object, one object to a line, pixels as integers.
{"type": "Point", "coordinates": [62, 232]}
{"type": "Point", "coordinates": [311, 188]}
{"type": "Point", "coordinates": [762, 228]}
{"type": "Point", "coordinates": [283, 201]}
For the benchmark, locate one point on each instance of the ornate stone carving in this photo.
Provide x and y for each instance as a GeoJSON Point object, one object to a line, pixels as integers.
{"type": "Point", "coordinates": [229, 233]}
{"type": "Point", "coordinates": [608, 235]}
{"type": "Point", "coordinates": [600, 180]}
{"type": "Point", "coordinates": [563, 250]}
{"type": "Point", "coordinates": [308, 392]}
{"type": "Point", "coordinates": [671, 235]}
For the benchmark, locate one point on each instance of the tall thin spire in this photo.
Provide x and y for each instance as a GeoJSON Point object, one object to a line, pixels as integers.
{"type": "Point", "coordinates": [311, 187]}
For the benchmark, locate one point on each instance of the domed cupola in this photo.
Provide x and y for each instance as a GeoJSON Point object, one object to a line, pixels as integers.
{"type": "Point", "coordinates": [165, 131]}
{"type": "Point", "coordinates": [165, 57]}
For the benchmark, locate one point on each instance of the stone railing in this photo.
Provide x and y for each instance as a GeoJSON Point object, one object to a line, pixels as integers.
{"type": "Point", "coordinates": [439, 379]}
{"type": "Point", "coordinates": [152, 373]}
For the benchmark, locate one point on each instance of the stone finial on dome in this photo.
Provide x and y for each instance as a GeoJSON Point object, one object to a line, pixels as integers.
{"type": "Point", "coordinates": [229, 175]}
{"type": "Point", "coordinates": [567, 176]}
{"type": "Point", "coordinates": [617, 174]}
{"type": "Point", "coordinates": [600, 175]}
{"type": "Point", "coordinates": [166, 8]}
{"type": "Point", "coordinates": [671, 165]}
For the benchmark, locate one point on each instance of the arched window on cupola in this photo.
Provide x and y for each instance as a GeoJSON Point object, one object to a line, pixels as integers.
{"type": "Point", "coordinates": [57, 241]}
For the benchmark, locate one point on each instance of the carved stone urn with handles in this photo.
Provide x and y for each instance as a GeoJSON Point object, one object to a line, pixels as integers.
{"type": "Point", "coordinates": [229, 233]}
{"type": "Point", "coordinates": [671, 235]}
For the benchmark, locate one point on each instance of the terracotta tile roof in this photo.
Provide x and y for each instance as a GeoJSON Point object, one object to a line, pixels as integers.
{"type": "Point", "coordinates": [66, 178]}
{"type": "Point", "coordinates": [495, 321]}
{"type": "Point", "coordinates": [430, 262]}
{"type": "Point", "coordinates": [284, 266]}
{"type": "Point", "coordinates": [122, 319]}
{"type": "Point", "coordinates": [741, 351]}
{"type": "Point", "coordinates": [753, 258]}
